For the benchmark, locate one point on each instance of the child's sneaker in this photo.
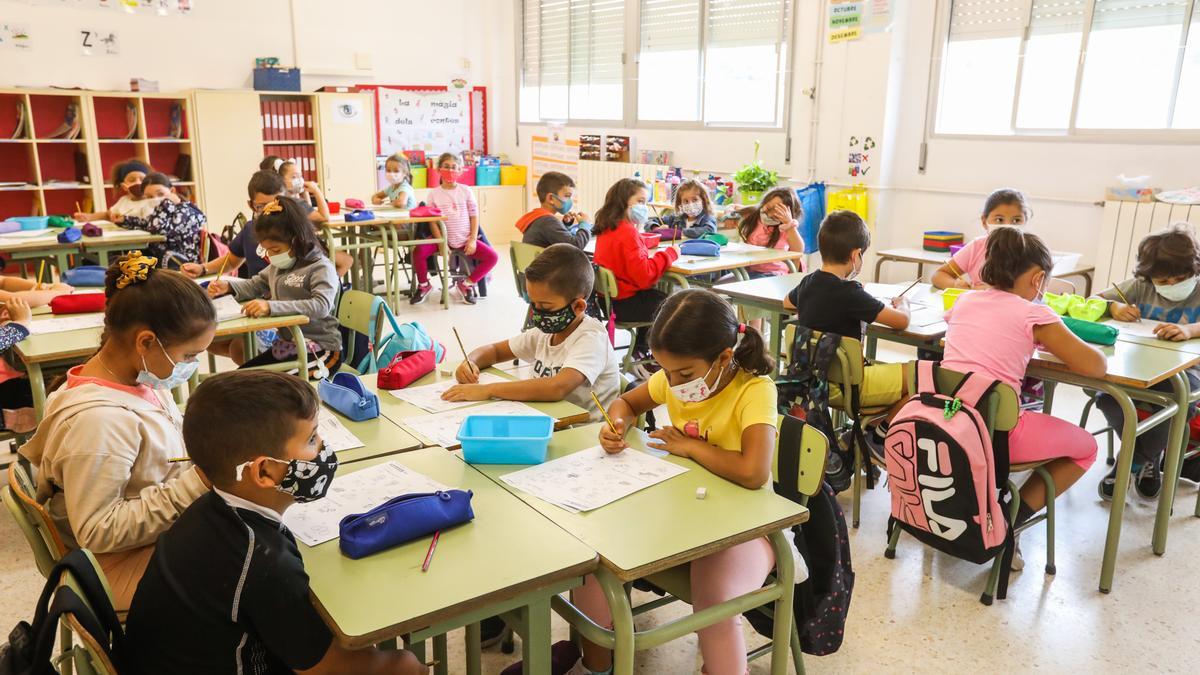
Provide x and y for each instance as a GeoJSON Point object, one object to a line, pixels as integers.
{"type": "Point", "coordinates": [1018, 561]}
{"type": "Point", "coordinates": [874, 436]}
{"type": "Point", "coordinates": [420, 294]}
{"type": "Point", "coordinates": [1148, 481]}
{"type": "Point", "coordinates": [1191, 469]}
{"type": "Point", "coordinates": [1107, 485]}
{"type": "Point", "coordinates": [466, 292]}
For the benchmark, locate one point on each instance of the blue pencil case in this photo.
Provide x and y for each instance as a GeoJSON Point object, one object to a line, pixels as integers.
{"type": "Point", "coordinates": [359, 215]}
{"type": "Point", "coordinates": [85, 276]}
{"type": "Point", "coordinates": [345, 393]}
{"type": "Point", "coordinates": [403, 519]}
{"type": "Point", "coordinates": [701, 247]}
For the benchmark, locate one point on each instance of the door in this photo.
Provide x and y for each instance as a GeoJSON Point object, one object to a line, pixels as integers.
{"type": "Point", "coordinates": [346, 145]}
{"type": "Point", "coordinates": [228, 130]}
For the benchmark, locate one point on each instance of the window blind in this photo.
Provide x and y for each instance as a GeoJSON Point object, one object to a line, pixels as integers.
{"type": "Point", "coordinates": [1049, 17]}
{"type": "Point", "coordinates": [986, 19]}
{"type": "Point", "coordinates": [1118, 14]}
{"type": "Point", "coordinates": [597, 39]}
{"type": "Point", "coordinates": [746, 23]}
{"type": "Point", "coordinates": [670, 25]}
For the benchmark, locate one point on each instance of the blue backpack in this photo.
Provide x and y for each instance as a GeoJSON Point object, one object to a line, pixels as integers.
{"type": "Point", "coordinates": [397, 337]}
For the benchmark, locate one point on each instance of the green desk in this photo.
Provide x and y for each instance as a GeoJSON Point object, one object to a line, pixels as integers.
{"type": "Point", "coordinates": [663, 527]}
{"type": "Point", "coordinates": [921, 258]}
{"type": "Point", "coordinates": [115, 238]}
{"type": "Point", "coordinates": [391, 230]}
{"type": "Point", "coordinates": [381, 437]}
{"type": "Point", "coordinates": [62, 349]}
{"type": "Point", "coordinates": [397, 410]}
{"type": "Point", "coordinates": [735, 257]}
{"type": "Point", "coordinates": [509, 561]}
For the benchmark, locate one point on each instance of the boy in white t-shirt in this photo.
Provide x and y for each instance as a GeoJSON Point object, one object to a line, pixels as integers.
{"type": "Point", "coordinates": [569, 350]}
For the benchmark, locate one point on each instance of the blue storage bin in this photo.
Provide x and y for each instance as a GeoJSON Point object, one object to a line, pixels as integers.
{"type": "Point", "coordinates": [32, 222]}
{"type": "Point", "coordinates": [487, 175]}
{"type": "Point", "coordinates": [505, 439]}
{"type": "Point", "coordinates": [277, 79]}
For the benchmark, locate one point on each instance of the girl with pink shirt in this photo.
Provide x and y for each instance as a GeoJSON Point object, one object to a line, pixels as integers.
{"type": "Point", "coordinates": [995, 331]}
{"type": "Point", "coordinates": [461, 220]}
{"type": "Point", "coordinates": [774, 224]}
{"type": "Point", "coordinates": [1005, 206]}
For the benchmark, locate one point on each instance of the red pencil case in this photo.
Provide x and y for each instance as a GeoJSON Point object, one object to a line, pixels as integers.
{"type": "Point", "coordinates": [78, 303]}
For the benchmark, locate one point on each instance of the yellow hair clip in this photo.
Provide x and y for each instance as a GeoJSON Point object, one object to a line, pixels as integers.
{"type": "Point", "coordinates": [135, 268]}
{"type": "Point", "coordinates": [272, 207]}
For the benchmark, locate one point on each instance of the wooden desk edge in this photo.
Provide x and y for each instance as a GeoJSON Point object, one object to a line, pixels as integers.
{"type": "Point", "coordinates": [446, 613]}
{"type": "Point", "coordinates": [701, 551]}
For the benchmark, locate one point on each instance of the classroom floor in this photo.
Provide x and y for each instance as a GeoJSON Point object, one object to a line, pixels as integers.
{"type": "Point", "coordinates": [921, 611]}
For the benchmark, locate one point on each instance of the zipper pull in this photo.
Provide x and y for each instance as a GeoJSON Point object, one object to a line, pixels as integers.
{"type": "Point", "coordinates": [989, 522]}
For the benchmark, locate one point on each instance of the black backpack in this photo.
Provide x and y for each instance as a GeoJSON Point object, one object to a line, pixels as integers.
{"type": "Point", "coordinates": [29, 646]}
{"type": "Point", "coordinates": [822, 602]}
{"type": "Point", "coordinates": [805, 385]}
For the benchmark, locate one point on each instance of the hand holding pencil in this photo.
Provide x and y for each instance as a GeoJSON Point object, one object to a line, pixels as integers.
{"type": "Point", "coordinates": [612, 434]}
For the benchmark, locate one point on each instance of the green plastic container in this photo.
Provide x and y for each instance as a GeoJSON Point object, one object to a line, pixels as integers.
{"type": "Point", "coordinates": [1090, 331]}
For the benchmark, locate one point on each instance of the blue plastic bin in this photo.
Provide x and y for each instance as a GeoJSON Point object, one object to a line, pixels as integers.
{"type": "Point", "coordinates": [487, 175]}
{"type": "Point", "coordinates": [505, 439]}
{"type": "Point", "coordinates": [32, 222]}
{"type": "Point", "coordinates": [277, 79]}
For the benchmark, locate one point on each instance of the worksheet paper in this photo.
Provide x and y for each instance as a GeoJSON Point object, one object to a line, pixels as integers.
{"type": "Point", "coordinates": [334, 434]}
{"type": "Point", "coordinates": [1143, 328]}
{"type": "Point", "coordinates": [27, 234]}
{"type": "Point", "coordinates": [317, 522]}
{"type": "Point", "coordinates": [62, 324]}
{"type": "Point", "coordinates": [589, 479]}
{"type": "Point", "coordinates": [227, 308]}
{"type": "Point", "coordinates": [429, 397]}
{"type": "Point", "coordinates": [442, 428]}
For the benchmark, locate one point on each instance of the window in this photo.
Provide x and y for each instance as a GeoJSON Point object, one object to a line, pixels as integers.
{"type": "Point", "coordinates": [1059, 67]}
{"type": "Point", "coordinates": [698, 61]}
{"type": "Point", "coordinates": [571, 67]}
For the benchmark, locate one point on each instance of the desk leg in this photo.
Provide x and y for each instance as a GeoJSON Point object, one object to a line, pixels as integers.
{"type": "Point", "coordinates": [1116, 511]}
{"type": "Point", "coordinates": [474, 651]}
{"type": "Point", "coordinates": [872, 347]}
{"type": "Point", "coordinates": [1172, 463]}
{"type": "Point", "coordinates": [777, 336]}
{"type": "Point", "coordinates": [301, 352]}
{"type": "Point", "coordinates": [444, 272]}
{"type": "Point", "coordinates": [38, 384]}
{"type": "Point", "coordinates": [535, 643]}
{"type": "Point", "coordinates": [622, 613]}
{"type": "Point", "coordinates": [785, 576]}
{"type": "Point", "coordinates": [441, 655]}
{"type": "Point", "coordinates": [879, 265]}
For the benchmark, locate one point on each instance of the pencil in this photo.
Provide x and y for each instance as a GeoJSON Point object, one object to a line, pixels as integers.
{"type": "Point", "coordinates": [429, 554]}
{"type": "Point", "coordinates": [179, 459]}
{"type": "Point", "coordinates": [77, 209]}
{"type": "Point", "coordinates": [222, 270]}
{"type": "Point", "coordinates": [605, 413]}
{"type": "Point", "coordinates": [910, 287]}
{"type": "Point", "coordinates": [41, 269]}
{"type": "Point", "coordinates": [1117, 288]}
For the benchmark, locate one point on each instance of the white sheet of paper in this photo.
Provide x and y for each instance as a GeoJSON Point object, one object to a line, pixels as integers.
{"type": "Point", "coordinates": [317, 522]}
{"type": "Point", "coordinates": [442, 428]}
{"type": "Point", "coordinates": [334, 434]}
{"type": "Point", "coordinates": [429, 396]}
{"type": "Point", "coordinates": [1143, 328]}
{"type": "Point", "coordinates": [227, 308]}
{"type": "Point", "coordinates": [26, 234]}
{"type": "Point", "coordinates": [62, 324]}
{"type": "Point", "coordinates": [589, 479]}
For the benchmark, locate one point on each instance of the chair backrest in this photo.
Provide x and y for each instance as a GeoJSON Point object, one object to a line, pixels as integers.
{"type": "Point", "coordinates": [354, 312]}
{"type": "Point", "coordinates": [605, 287]}
{"type": "Point", "coordinates": [846, 370]}
{"type": "Point", "coordinates": [813, 451]}
{"type": "Point", "coordinates": [1000, 409]}
{"type": "Point", "coordinates": [87, 656]}
{"type": "Point", "coordinates": [32, 518]}
{"type": "Point", "coordinates": [1059, 286]}
{"type": "Point", "coordinates": [521, 254]}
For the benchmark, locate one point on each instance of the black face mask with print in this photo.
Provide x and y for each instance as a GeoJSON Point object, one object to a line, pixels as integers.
{"type": "Point", "coordinates": [551, 322]}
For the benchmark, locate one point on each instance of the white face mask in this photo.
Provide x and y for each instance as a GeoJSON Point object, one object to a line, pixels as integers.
{"type": "Point", "coordinates": [854, 272]}
{"type": "Point", "coordinates": [283, 261]}
{"type": "Point", "coordinates": [1177, 292]}
{"type": "Point", "coordinates": [395, 177]}
{"type": "Point", "coordinates": [697, 390]}
{"type": "Point", "coordinates": [692, 209]}
{"type": "Point", "coordinates": [297, 185]}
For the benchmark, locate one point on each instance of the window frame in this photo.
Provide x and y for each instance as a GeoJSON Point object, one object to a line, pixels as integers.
{"type": "Point", "coordinates": [1072, 134]}
{"type": "Point", "coordinates": [631, 60]}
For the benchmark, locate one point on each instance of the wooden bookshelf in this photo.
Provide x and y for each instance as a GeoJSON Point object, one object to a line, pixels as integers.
{"type": "Point", "coordinates": [69, 142]}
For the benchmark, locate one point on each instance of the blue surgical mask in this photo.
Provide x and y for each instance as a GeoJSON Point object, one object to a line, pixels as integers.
{"type": "Point", "coordinates": [180, 372]}
{"type": "Point", "coordinates": [282, 261]}
{"type": "Point", "coordinates": [639, 214]}
{"type": "Point", "coordinates": [564, 205]}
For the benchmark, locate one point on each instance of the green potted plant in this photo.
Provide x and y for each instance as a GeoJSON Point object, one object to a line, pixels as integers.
{"type": "Point", "coordinates": [753, 180]}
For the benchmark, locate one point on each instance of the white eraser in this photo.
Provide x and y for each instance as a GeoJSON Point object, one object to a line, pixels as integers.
{"type": "Point", "coordinates": [701, 493]}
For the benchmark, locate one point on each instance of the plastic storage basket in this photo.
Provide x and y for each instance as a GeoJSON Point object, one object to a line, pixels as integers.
{"type": "Point", "coordinates": [505, 439]}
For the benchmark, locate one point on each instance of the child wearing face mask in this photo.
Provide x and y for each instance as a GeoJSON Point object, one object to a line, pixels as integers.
{"type": "Point", "coordinates": [179, 221]}
{"type": "Point", "coordinates": [1005, 206]}
{"type": "Point", "coordinates": [105, 442]}
{"type": "Point", "coordinates": [127, 177]}
{"type": "Point", "coordinates": [774, 224]}
{"type": "Point", "coordinates": [693, 214]}
{"type": "Point", "coordinates": [307, 193]}
{"type": "Point", "coordinates": [299, 280]}
{"type": "Point", "coordinates": [460, 216]}
{"type": "Point", "coordinates": [399, 192]}
{"type": "Point", "coordinates": [228, 569]}
{"type": "Point", "coordinates": [1163, 289]}
{"type": "Point", "coordinates": [716, 387]}
{"type": "Point", "coordinates": [621, 250]}
{"type": "Point", "coordinates": [569, 351]}
{"type": "Point", "coordinates": [994, 331]}
{"type": "Point", "coordinates": [554, 222]}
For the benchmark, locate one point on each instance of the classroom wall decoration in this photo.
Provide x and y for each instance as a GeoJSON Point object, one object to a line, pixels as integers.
{"type": "Point", "coordinates": [845, 20]}
{"type": "Point", "coordinates": [15, 36]}
{"type": "Point", "coordinates": [159, 7]}
{"type": "Point", "coordinates": [859, 157]}
{"type": "Point", "coordinates": [430, 119]}
{"type": "Point", "coordinates": [98, 42]}
{"type": "Point", "coordinates": [554, 153]}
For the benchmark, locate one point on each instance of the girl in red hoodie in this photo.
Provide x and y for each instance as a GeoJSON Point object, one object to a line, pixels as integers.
{"type": "Point", "coordinates": [620, 249]}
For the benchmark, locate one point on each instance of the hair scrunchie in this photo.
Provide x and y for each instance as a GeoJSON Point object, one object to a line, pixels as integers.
{"type": "Point", "coordinates": [272, 206]}
{"type": "Point", "coordinates": [741, 329]}
{"type": "Point", "coordinates": [135, 268]}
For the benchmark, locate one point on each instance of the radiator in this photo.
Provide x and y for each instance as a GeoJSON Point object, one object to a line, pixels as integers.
{"type": "Point", "coordinates": [596, 177]}
{"type": "Point", "coordinates": [1125, 223]}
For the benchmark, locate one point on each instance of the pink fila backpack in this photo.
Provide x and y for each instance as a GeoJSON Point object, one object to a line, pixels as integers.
{"type": "Point", "coordinates": [943, 471]}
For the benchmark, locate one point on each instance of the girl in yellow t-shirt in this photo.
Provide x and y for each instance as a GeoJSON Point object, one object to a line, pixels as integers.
{"type": "Point", "coordinates": [722, 405]}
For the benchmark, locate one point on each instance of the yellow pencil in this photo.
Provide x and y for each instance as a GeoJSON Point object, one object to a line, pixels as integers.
{"type": "Point", "coordinates": [41, 269]}
{"type": "Point", "coordinates": [1117, 288]}
{"type": "Point", "coordinates": [77, 209]}
{"type": "Point", "coordinates": [221, 271]}
{"type": "Point", "coordinates": [605, 413]}
{"type": "Point", "coordinates": [461, 348]}
{"type": "Point", "coordinates": [179, 459]}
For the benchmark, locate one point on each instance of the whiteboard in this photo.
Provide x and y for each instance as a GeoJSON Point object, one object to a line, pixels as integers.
{"type": "Point", "coordinates": [433, 121]}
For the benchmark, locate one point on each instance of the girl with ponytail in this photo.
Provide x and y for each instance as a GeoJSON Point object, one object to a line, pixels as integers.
{"type": "Point", "coordinates": [716, 386]}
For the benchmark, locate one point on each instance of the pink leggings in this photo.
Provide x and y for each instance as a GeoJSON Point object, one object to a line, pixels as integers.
{"type": "Point", "coordinates": [715, 578]}
{"type": "Point", "coordinates": [1039, 437]}
{"type": "Point", "coordinates": [485, 259]}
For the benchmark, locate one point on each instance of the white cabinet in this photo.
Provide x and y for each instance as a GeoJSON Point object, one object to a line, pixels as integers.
{"type": "Point", "coordinates": [500, 206]}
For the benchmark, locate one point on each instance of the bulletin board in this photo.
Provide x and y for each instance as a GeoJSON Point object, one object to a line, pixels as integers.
{"type": "Point", "coordinates": [429, 118]}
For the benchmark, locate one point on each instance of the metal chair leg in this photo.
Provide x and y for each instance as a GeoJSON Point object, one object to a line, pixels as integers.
{"type": "Point", "coordinates": [1051, 495]}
